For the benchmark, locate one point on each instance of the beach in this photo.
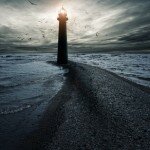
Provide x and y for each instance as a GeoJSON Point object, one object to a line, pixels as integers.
{"type": "Point", "coordinates": [93, 109]}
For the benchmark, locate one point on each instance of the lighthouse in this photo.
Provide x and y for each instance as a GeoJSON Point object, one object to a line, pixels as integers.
{"type": "Point", "coordinates": [62, 56]}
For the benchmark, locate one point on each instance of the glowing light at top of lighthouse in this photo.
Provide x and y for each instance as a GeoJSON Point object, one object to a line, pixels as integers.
{"type": "Point", "coordinates": [63, 11]}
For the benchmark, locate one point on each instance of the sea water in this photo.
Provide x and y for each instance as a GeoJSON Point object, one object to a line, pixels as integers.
{"type": "Point", "coordinates": [28, 82]}
{"type": "Point", "coordinates": [26, 79]}
{"type": "Point", "coordinates": [133, 66]}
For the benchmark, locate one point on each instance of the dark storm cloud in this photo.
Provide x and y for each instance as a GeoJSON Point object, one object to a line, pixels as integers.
{"type": "Point", "coordinates": [143, 35]}
{"type": "Point", "coordinates": [6, 34]}
{"type": "Point", "coordinates": [93, 22]}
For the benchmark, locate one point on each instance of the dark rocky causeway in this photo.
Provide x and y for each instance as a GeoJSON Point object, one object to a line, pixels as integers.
{"type": "Point", "coordinates": [95, 110]}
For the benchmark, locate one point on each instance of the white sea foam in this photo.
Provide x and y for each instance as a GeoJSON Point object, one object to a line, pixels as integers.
{"type": "Point", "coordinates": [12, 110]}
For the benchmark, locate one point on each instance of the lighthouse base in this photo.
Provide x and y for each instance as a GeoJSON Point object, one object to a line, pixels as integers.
{"type": "Point", "coordinates": [62, 58]}
{"type": "Point", "coordinates": [62, 62]}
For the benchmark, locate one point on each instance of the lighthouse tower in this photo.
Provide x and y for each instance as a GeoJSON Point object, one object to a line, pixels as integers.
{"type": "Point", "coordinates": [62, 56]}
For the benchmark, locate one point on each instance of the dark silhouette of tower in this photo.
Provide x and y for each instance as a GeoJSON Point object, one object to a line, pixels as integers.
{"type": "Point", "coordinates": [62, 56]}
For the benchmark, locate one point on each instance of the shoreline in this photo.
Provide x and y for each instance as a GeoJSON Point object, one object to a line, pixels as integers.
{"type": "Point", "coordinates": [116, 96]}
{"type": "Point", "coordinates": [3, 52]}
{"type": "Point", "coordinates": [141, 87]}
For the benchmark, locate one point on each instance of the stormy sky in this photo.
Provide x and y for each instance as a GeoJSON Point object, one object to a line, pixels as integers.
{"type": "Point", "coordinates": [92, 23]}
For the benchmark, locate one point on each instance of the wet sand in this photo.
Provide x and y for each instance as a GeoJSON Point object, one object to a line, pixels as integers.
{"type": "Point", "coordinates": [94, 110]}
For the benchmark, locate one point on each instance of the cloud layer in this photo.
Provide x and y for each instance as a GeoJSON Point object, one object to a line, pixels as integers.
{"type": "Point", "coordinates": [99, 23]}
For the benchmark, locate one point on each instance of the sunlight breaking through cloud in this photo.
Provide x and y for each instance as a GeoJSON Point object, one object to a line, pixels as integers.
{"type": "Point", "coordinates": [99, 22]}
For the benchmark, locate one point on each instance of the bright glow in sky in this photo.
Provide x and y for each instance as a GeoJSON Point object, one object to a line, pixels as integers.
{"type": "Point", "coordinates": [102, 23]}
